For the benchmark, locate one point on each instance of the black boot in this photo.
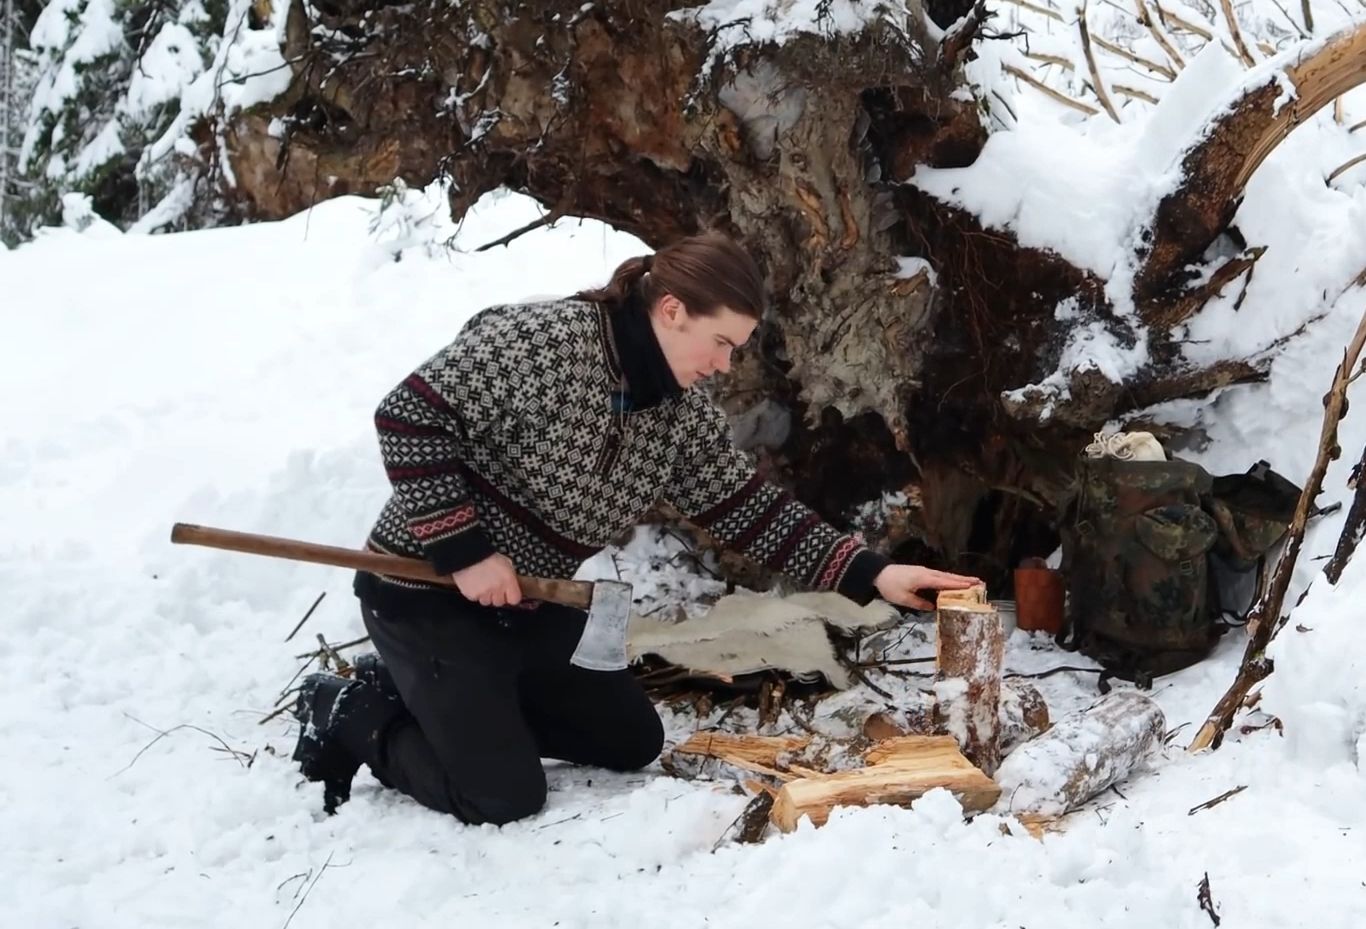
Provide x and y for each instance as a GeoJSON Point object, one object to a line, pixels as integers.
{"type": "Point", "coordinates": [320, 753]}
{"type": "Point", "coordinates": [370, 669]}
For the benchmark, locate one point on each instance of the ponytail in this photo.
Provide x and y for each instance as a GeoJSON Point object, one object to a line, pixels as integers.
{"type": "Point", "coordinates": [706, 272]}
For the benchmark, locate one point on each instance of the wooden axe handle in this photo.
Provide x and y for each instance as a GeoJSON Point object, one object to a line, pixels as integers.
{"type": "Point", "coordinates": [577, 594]}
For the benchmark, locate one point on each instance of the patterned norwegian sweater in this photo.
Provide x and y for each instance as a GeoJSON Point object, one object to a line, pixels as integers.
{"type": "Point", "coordinates": [515, 439]}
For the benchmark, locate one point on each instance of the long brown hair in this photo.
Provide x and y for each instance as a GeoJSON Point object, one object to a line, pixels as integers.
{"type": "Point", "coordinates": [706, 272]}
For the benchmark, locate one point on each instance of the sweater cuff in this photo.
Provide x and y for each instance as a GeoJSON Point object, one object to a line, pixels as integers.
{"type": "Point", "coordinates": [857, 583]}
{"type": "Point", "coordinates": [450, 555]}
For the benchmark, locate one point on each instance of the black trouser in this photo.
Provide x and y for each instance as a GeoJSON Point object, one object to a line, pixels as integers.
{"type": "Point", "coordinates": [491, 692]}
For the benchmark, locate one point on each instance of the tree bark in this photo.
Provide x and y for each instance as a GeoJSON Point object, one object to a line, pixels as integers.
{"type": "Point", "coordinates": [968, 666]}
{"type": "Point", "coordinates": [1082, 754]}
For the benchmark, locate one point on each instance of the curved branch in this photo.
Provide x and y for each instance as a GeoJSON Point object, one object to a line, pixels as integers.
{"type": "Point", "coordinates": [1217, 168]}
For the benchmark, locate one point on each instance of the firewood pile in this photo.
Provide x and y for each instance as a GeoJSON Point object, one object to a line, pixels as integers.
{"type": "Point", "coordinates": [987, 739]}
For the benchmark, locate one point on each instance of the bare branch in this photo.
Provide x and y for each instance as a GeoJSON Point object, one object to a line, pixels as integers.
{"type": "Point", "coordinates": [1263, 621]}
{"type": "Point", "coordinates": [1236, 33]}
{"type": "Point", "coordinates": [1122, 52]}
{"type": "Point", "coordinates": [1344, 167]}
{"type": "Point", "coordinates": [1170, 19]}
{"type": "Point", "coordinates": [1049, 91]}
{"type": "Point", "coordinates": [1051, 14]}
{"type": "Point", "coordinates": [1159, 35]}
{"type": "Point", "coordinates": [1133, 92]}
{"type": "Point", "coordinates": [1096, 81]}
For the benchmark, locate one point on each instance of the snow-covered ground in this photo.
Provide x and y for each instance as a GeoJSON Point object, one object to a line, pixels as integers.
{"type": "Point", "coordinates": [228, 377]}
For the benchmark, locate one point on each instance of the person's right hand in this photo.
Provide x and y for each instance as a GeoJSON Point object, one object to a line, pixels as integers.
{"type": "Point", "coordinates": [491, 582]}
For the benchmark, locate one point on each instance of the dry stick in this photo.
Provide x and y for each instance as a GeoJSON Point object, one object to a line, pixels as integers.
{"type": "Point", "coordinates": [1066, 65]}
{"type": "Point", "coordinates": [1217, 800]}
{"type": "Point", "coordinates": [1290, 19]}
{"type": "Point", "coordinates": [1049, 91]}
{"type": "Point", "coordinates": [1206, 900]}
{"type": "Point", "coordinates": [339, 648]}
{"type": "Point", "coordinates": [306, 615]}
{"type": "Point", "coordinates": [1352, 526]}
{"type": "Point", "coordinates": [1096, 83]}
{"type": "Point", "coordinates": [548, 219]}
{"type": "Point", "coordinates": [1171, 19]}
{"type": "Point", "coordinates": [1339, 111]}
{"type": "Point", "coordinates": [879, 664]}
{"type": "Point", "coordinates": [1262, 621]}
{"type": "Point", "coordinates": [1345, 166]}
{"type": "Point", "coordinates": [1051, 14]}
{"type": "Point", "coordinates": [1308, 16]}
{"type": "Point", "coordinates": [308, 891]}
{"type": "Point", "coordinates": [338, 661]}
{"type": "Point", "coordinates": [1236, 34]}
{"type": "Point", "coordinates": [1133, 92]}
{"type": "Point", "coordinates": [287, 689]}
{"type": "Point", "coordinates": [1156, 67]}
{"type": "Point", "coordinates": [1160, 36]}
{"type": "Point", "coordinates": [163, 733]}
{"type": "Point", "coordinates": [1360, 125]}
{"type": "Point", "coordinates": [274, 713]}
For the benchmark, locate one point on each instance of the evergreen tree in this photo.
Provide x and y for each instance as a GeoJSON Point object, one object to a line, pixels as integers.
{"type": "Point", "coordinates": [108, 81]}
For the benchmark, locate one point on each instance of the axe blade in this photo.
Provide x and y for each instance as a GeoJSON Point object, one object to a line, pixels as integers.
{"type": "Point", "coordinates": [602, 647]}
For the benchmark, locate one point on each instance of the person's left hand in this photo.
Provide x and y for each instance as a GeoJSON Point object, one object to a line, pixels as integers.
{"type": "Point", "coordinates": [899, 584]}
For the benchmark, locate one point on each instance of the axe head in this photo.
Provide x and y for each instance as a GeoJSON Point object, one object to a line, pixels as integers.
{"type": "Point", "coordinates": [602, 647]}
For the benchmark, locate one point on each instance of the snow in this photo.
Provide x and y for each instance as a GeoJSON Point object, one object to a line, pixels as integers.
{"type": "Point", "coordinates": [228, 377]}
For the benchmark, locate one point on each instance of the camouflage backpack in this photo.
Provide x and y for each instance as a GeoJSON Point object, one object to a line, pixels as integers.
{"type": "Point", "coordinates": [1157, 555]}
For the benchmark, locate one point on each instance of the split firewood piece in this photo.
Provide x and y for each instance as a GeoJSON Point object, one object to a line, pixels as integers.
{"type": "Point", "coordinates": [974, 594]}
{"type": "Point", "coordinates": [1038, 825]}
{"type": "Point", "coordinates": [1082, 754]}
{"type": "Point", "coordinates": [971, 649]}
{"type": "Point", "coordinates": [761, 754]}
{"type": "Point", "coordinates": [906, 768]}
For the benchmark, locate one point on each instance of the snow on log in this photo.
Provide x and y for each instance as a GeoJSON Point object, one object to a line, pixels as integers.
{"type": "Point", "coordinates": [1082, 754]}
{"type": "Point", "coordinates": [971, 648]}
{"type": "Point", "coordinates": [900, 771]}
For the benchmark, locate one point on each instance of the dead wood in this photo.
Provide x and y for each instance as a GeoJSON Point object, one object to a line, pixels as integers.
{"type": "Point", "coordinates": [1263, 621]}
{"type": "Point", "coordinates": [1216, 170]}
{"type": "Point", "coordinates": [1216, 800]}
{"type": "Point", "coordinates": [904, 770]}
{"type": "Point", "coordinates": [1081, 755]}
{"type": "Point", "coordinates": [1353, 526]}
{"type": "Point", "coordinates": [971, 648]}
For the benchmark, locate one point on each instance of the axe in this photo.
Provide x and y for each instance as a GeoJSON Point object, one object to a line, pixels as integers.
{"type": "Point", "coordinates": [602, 647]}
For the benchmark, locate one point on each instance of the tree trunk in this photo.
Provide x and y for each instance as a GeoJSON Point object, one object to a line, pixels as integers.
{"type": "Point", "coordinates": [637, 113]}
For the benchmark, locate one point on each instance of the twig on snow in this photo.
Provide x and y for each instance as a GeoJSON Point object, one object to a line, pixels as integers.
{"type": "Point", "coordinates": [1217, 800]}
{"type": "Point", "coordinates": [241, 757]}
{"type": "Point", "coordinates": [306, 615]}
{"type": "Point", "coordinates": [308, 890]}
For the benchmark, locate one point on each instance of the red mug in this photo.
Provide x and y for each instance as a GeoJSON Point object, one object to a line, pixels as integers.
{"type": "Point", "coordinates": [1039, 599]}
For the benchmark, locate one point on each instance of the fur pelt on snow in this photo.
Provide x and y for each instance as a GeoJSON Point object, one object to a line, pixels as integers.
{"type": "Point", "coordinates": [747, 632]}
